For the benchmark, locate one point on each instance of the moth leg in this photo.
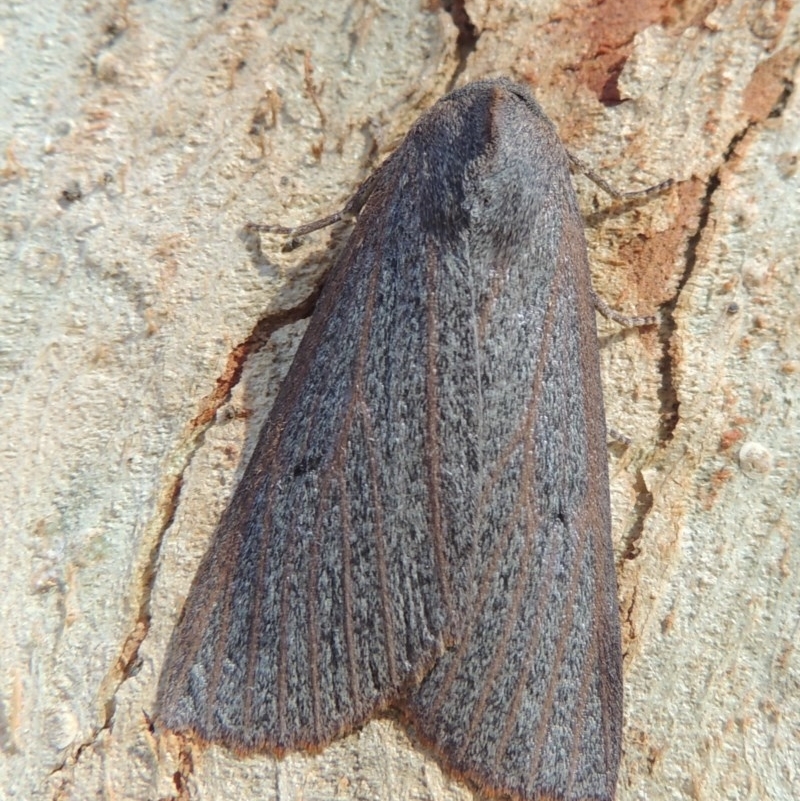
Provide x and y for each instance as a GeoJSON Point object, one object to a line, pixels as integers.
{"type": "Point", "coordinates": [348, 213]}
{"type": "Point", "coordinates": [627, 321]}
{"type": "Point", "coordinates": [296, 230]}
{"type": "Point", "coordinates": [597, 179]}
{"type": "Point", "coordinates": [617, 436]}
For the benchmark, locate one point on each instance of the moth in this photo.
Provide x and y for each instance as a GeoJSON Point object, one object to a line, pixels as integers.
{"type": "Point", "coordinates": [424, 522]}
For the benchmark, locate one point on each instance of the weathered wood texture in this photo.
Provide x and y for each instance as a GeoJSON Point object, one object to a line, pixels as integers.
{"type": "Point", "coordinates": [142, 340]}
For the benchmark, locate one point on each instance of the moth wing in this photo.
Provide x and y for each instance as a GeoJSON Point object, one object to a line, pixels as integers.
{"type": "Point", "coordinates": [326, 588]}
{"type": "Point", "coordinates": [529, 702]}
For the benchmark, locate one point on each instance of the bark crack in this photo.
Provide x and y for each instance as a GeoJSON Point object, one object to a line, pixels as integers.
{"type": "Point", "coordinates": [128, 661]}
{"type": "Point", "coordinates": [668, 391]}
{"type": "Point", "coordinates": [468, 34]}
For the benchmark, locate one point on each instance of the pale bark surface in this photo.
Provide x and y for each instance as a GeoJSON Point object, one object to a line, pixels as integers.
{"type": "Point", "coordinates": [142, 339]}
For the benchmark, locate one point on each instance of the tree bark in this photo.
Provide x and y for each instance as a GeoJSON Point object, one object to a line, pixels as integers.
{"type": "Point", "coordinates": [144, 337]}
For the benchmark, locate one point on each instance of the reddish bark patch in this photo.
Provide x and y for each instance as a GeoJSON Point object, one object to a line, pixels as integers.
{"type": "Point", "coordinates": [770, 80]}
{"type": "Point", "coordinates": [653, 256]}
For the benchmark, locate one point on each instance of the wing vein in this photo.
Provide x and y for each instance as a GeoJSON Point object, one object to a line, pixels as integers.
{"type": "Point", "coordinates": [283, 638]}
{"type": "Point", "coordinates": [500, 654]}
{"type": "Point", "coordinates": [254, 630]}
{"type": "Point", "coordinates": [380, 550]}
{"type": "Point", "coordinates": [547, 706]}
{"type": "Point", "coordinates": [579, 721]}
{"type": "Point", "coordinates": [521, 435]}
{"type": "Point", "coordinates": [224, 634]}
{"type": "Point", "coordinates": [432, 430]}
{"type": "Point", "coordinates": [546, 582]}
{"type": "Point", "coordinates": [347, 593]}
